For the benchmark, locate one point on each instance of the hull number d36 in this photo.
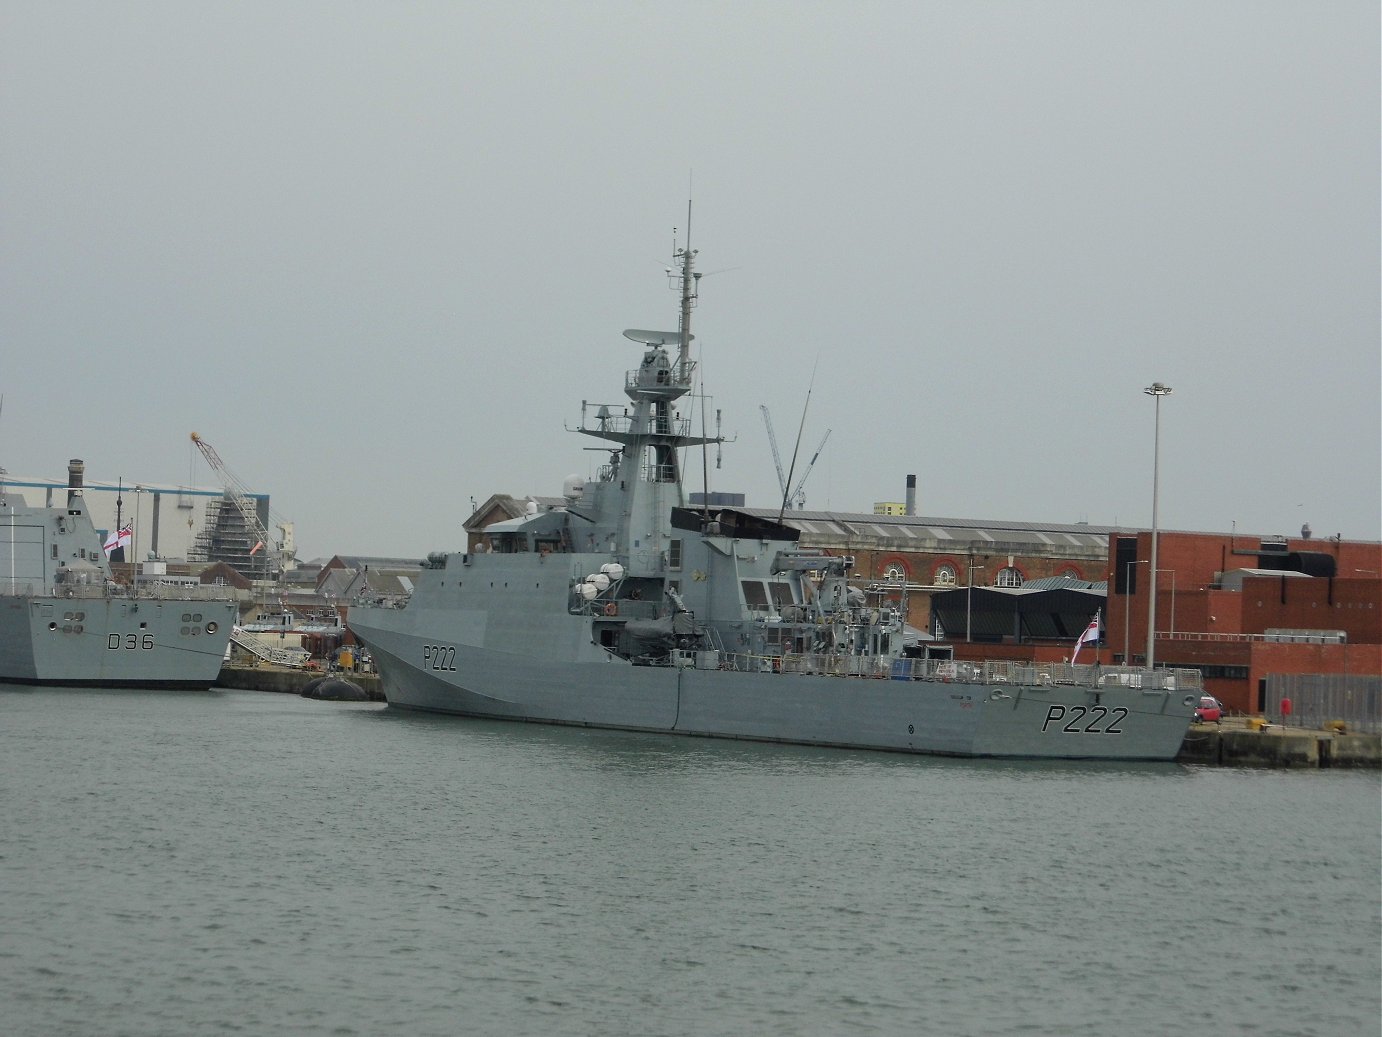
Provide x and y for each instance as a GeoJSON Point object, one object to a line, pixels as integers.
{"type": "Point", "coordinates": [115, 642]}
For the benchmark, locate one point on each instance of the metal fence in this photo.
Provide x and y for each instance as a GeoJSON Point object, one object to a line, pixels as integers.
{"type": "Point", "coordinates": [1319, 698]}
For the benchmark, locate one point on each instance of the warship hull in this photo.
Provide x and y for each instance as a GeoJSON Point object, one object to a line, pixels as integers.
{"type": "Point", "coordinates": [64, 620]}
{"type": "Point", "coordinates": [113, 642]}
{"type": "Point", "coordinates": [621, 607]}
{"type": "Point", "coordinates": [931, 714]}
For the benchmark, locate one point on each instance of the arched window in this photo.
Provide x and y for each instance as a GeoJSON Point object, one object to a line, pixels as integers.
{"type": "Point", "coordinates": [1008, 577]}
{"type": "Point", "coordinates": [895, 573]}
{"type": "Point", "coordinates": [1072, 574]}
{"type": "Point", "coordinates": [944, 576]}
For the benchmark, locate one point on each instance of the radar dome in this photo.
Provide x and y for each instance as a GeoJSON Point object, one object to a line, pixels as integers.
{"type": "Point", "coordinates": [573, 488]}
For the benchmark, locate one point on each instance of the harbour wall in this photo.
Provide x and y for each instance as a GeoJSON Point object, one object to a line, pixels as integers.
{"type": "Point", "coordinates": [1240, 744]}
{"type": "Point", "coordinates": [286, 681]}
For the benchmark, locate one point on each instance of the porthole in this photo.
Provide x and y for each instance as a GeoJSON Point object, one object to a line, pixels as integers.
{"type": "Point", "coordinates": [186, 618]}
{"type": "Point", "coordinates": [211, 627]}
{"type": "Point", "coordinates": [52, 626]}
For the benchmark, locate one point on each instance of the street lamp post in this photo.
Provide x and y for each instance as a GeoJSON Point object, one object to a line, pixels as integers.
{"type": "Point", "coordinates": [1156, 390]}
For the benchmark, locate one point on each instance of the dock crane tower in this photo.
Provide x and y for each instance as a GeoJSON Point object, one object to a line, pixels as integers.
{"type": "Point", "coordinates": [796, 499]}
{"type": "Point", "coordinates": [279, 553]}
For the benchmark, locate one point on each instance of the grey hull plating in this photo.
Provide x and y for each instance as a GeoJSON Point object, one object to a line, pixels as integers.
{"type": "Point", "coordinates": [117, 642]}
{"type": "Point", "coordinates": [564, 678]}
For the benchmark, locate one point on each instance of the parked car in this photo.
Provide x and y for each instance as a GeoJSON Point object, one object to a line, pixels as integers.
{"type": "Point", "coordinates": [1209, 711]}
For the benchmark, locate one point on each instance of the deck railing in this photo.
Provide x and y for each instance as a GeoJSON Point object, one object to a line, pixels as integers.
{"type": "Point", "coordinates": [947, 671]}
{"type": "Point", "coordinates": [93, 591]}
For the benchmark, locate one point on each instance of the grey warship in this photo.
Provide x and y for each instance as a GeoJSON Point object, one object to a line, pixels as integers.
{"type": "Point", "coordinates": [65, 621]}
{"type": "Point", "coordinates": [626, 609]}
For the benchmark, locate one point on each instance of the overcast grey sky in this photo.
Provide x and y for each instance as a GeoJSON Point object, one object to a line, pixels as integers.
{"type": "Point", "coordinates": [378, 253]}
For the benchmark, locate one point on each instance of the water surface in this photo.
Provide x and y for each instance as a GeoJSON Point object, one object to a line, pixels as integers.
{"type": "Point", "coordinates": [239, 862]}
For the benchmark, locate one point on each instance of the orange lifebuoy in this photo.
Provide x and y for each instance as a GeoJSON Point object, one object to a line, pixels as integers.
{"type": "Point", "coordinates": [611, 609]}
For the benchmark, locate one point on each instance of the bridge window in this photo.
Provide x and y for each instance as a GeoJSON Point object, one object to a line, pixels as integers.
{"type": "Point", "coordinates": [755, 595]}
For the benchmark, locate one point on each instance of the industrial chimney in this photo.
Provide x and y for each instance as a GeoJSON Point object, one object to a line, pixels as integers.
{"type": "Point", "coordinates": [911, 508]}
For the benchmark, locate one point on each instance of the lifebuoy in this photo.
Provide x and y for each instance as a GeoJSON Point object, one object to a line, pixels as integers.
{"type": "Point", "coordinates": [611, 609]}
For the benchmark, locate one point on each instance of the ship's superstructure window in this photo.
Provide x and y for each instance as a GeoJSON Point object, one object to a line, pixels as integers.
{"type": "Point", "coordinates": [755, 595]}
{"type": "Point", "coordinates": [781, 592]}
{"type": "Point", "coordinates": [674, 554]}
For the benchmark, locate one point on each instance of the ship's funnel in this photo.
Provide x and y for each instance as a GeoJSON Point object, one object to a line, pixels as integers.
{"type": "Point", "coordinates": [76, 469]}
{"type": "Point", "coordinates": [911, 508]}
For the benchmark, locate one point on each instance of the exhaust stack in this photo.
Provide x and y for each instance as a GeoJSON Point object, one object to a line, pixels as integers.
{"type": "Point", "coordinates": [76, 469]}
{"type": "Point", "coordinates": [911, 508]}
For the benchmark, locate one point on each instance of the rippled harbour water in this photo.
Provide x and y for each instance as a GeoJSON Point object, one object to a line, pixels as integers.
{"type": "Point", "coordinates": [237, 862]}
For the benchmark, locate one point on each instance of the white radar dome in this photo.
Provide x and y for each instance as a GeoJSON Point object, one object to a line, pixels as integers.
{"type": "Point", "coordinates": [573, 488]}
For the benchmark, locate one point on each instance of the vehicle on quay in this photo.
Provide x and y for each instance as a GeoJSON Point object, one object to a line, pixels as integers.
{"type": "Point", "coordinates": [624, 608]}
{"type": "Point", "coordinates": [1209, 711]}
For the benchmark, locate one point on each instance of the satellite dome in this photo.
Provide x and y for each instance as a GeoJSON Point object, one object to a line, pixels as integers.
{"type": "Point", "coordinates": [573, 488]}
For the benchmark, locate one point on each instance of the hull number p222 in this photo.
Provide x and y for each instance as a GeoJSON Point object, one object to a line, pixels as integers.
{"type": "Point", "coordinates": [440, 657]}
{"type": "Point", "coordinates": [1071, 720]}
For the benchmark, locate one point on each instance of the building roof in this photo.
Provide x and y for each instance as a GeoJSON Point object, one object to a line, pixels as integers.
{"type": "Point", "coordinates": [961, 532]}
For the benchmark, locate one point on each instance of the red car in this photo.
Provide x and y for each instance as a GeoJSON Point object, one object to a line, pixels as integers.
{"type": "Point", "coordinates": [1209, 711]}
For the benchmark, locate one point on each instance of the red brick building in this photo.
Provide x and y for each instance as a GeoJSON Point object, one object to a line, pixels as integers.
{"type": "Point", "coordinates": [1241, 609]}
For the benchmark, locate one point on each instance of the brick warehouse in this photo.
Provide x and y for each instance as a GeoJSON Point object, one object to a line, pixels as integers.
{"type": "Point", "coordinates": [1242, 609]}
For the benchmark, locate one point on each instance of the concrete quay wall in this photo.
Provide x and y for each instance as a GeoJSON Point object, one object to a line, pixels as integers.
{"type": "Point", "coordinates": [290, 682]}
{"type": "Point", "coordinates": [1278, 747]}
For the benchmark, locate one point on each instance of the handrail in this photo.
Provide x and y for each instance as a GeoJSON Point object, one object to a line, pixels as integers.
{"type": "Point", "coordinates": [92, 591]}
